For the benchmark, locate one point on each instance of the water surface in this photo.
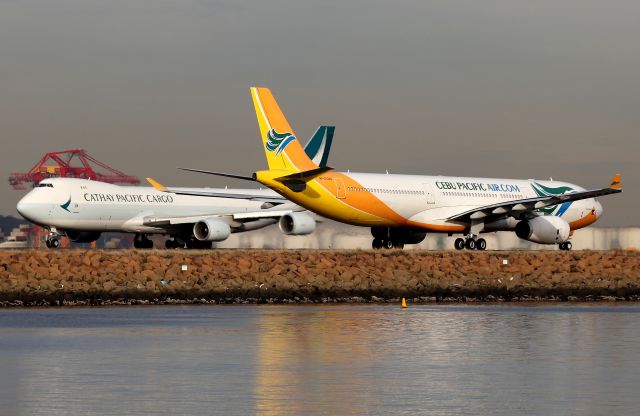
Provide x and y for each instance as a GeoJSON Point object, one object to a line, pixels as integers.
{"type": "Point", "coordinates": [294, 360]}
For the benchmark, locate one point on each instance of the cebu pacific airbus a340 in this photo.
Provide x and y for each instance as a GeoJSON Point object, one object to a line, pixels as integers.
{"type": "Point", "coordinates": [402, 209]}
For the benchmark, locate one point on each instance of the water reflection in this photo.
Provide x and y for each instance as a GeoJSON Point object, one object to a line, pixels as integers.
{"type": "Point", "coordinates": [270, 360]}
{"type": "Point", "coordinates": [313, 360]}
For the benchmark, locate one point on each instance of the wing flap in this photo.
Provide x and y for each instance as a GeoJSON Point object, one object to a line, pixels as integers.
{"type": "Point", "coordinates": [158, 221]}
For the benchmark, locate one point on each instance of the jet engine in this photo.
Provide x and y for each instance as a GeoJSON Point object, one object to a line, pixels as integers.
{"type": "Point", "coordinates": [211, 229]}
{"type": "Point", "coordinates": [82, 236]}
{"type": "Point", "coordinates": [401, 235]}
{"type": "Point", "coordinates": [297, 223]}
{"type": "Point", "coordinates": [546, 229]}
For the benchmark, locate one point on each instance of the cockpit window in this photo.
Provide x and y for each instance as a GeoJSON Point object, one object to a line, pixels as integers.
{"type": "Point", "coordinates": [45, 185]}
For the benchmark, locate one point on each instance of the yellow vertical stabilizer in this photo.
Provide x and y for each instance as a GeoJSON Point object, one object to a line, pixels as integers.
{"type": "Point", "coordinates": [281, 147]}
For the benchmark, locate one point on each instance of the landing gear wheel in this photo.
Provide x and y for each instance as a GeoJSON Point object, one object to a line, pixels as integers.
{"type": "Point", "coordinates": [376, 244]}
{"type": "Point", "coordinates": [470, 244]}
{"type": "Point", "coordinates": [141, 241]}
{"type": "Point", "coordinates": [171, 244]}
{"type": "Point", "coordinates": [565, 246]}
{"type": "Point", "coordinates": [398, 245]}
{"type": "Point", "coordinates": [53, 243]}
{"type": "Point", "coordinates": [459, 244]}
{"type": "Point", "coordinates": [48, 243]}
{"type": "Point", "coordinates": [481, 244]}
{"type": "Point", "coordinates": [388, 244]}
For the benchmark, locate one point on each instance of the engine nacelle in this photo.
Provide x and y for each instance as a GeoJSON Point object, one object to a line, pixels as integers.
{"type": "Point", "coordinates": [546, 229]}
{"type": "Point", "coordinates": [401, 235]}
{"type": "Point", "coordinates": [297, 223]}
{"type": "Point", "coordinates": [211, 229]}
{"type": "Point", "coordinates": [82, 236]}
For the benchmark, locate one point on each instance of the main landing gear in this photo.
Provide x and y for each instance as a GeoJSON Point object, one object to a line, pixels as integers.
{"type": "Point", "coordinates": [470, 243]}
{"type": "Point", "coordinates": [173, 243]}
{"type": "Point", "coordinates": [196, 244]}
{"type": "Point", "coordinates": [388, 244]}
{"type": "Point", "coordinates": [189, 243]}
{"type": "Point", "coordinates": [566, 246]}
{"type": "Point", "coordinates": [141, 241]}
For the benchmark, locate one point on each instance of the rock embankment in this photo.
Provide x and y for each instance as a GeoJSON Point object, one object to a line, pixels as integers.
{"type": "Point", "coordinates": [93, 277]}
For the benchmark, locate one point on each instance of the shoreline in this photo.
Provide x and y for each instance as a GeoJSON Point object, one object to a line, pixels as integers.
{"type": "Point", "coordinates": [80, 277]}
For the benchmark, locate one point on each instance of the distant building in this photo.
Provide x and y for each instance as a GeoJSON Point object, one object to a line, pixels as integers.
{"type": "Point", "coordinates": [18, 238]}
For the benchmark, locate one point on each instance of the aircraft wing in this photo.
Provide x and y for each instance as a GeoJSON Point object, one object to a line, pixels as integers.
{"type": "Point", "coordinates": [218, 193]}
{"type": "Point", "coordinates": [241, 217]}
{"type": "Point", "coordinates": [231, 218]}
{"type": "Point", "coordinates": [519, 206]}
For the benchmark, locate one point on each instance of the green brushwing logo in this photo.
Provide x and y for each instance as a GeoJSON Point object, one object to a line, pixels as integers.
{"type": "Point", "coordinates": [543, 191]}
{"type": "Point", "coordinates": [65, 206]}
{"type": "Point", "coordinates": [276, 142]}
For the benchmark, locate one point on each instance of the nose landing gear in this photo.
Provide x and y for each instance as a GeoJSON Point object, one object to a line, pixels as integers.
{"type": "Point", "coordinates": [52, 242]}
{"type": "Point", "coordinates": [53, 238]}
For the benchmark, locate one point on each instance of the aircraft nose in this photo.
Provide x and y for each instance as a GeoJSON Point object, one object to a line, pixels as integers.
{"type": "Point", "coordinates": [27, 208]}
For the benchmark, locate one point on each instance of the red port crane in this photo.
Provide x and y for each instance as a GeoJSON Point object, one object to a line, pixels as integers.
{"type": "Point", "coordinates": [75, 163]}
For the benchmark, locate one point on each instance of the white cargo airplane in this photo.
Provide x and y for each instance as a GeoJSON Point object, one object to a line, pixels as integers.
{"type": "Point", "coordinates": [194, 217]}
{"type": "Point", "coordinates": [402, 209]}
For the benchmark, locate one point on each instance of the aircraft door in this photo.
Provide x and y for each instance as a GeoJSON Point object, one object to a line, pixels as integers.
{"type": "Point", "coordinates": [429, 195]}
{"type": "Point", "coordinates": [341, 192]}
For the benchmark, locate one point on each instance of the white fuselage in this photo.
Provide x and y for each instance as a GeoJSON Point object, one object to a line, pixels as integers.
{"type": "Point", "coordinates": [79, 204]}
{"type": "Point", "coordinates": [432, 199]}
{"type": "Point", "coordinates": [427, 202]}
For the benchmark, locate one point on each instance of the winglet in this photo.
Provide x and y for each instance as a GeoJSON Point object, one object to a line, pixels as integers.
{"type": "Point", "coordinates": [616, 182]}
{"type": "Point", "coordinates": [156, 185]}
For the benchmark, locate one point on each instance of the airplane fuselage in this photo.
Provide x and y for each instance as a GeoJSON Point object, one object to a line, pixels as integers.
{"type": "Point", "coordinates": [86, 205]}
{"type": "Point", "coordinates": [426, 202]}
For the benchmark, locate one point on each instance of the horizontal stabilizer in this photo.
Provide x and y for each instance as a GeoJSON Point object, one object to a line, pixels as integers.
{"type": "Point", "coordinates": [226, 175]}
{"type": "Point", "coordinates": [306, 175]}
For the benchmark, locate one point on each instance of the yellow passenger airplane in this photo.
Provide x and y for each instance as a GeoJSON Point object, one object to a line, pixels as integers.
{"type": "Point", "coordinates": [402, 209]}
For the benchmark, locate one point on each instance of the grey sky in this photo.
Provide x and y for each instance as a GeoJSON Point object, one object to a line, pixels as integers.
{"type": "Point", "coordinates": [517, 89]}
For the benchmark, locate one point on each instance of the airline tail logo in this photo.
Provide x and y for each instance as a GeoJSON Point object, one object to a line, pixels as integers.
{"type": "Point", "coordinates": [282, 150]}
{"type": "Point", "coordinates": [276, 142]}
